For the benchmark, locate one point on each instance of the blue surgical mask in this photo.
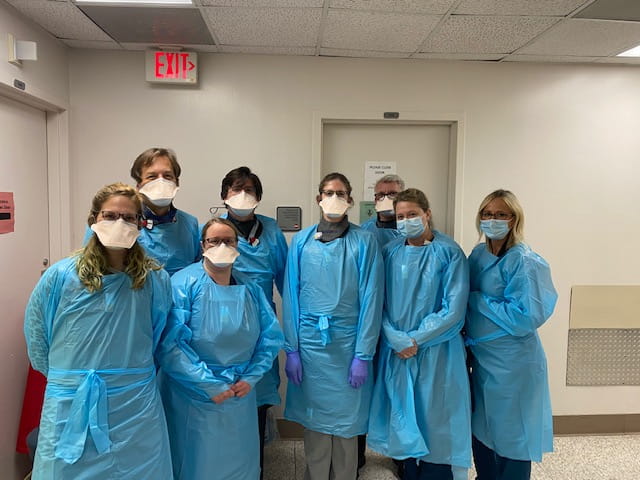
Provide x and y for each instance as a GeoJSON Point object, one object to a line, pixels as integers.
{"type": "Point", "coordinates": [494, 229]}
{"type": "Point", "coordinates": [411, 227]}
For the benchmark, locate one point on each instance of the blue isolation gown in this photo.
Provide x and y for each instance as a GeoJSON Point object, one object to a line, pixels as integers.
{"type": "Point", "coordinates": [332, 305]}
{"type": "Point", "coordinates": [102, 416]}
{"type": "Point", "coordinates": [264, 263]}
{"type": "Point", "coordinates": [510, 297]}
{"type": "Point", "coordinates": [174, 245]}
{"type": "Point", "coordinates": [421, 406]}
{"type": "Point", "coordinates": [217, 336]}
{"type": "Point", "coordinates": [383, 235]}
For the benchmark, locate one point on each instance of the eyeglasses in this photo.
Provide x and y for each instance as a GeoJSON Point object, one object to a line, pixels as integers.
{"type": "Point", "coordinates": [113, 216]}
{"type": "Point", "coordinates": [247, 190]}
{"type": "Point", "coordinates": [497, 216]}
{"type": "Point", "coordinates": [338, 193]}
{"type": "Point", "coordinates": [390, 195]}
{"type": "Point", "coordinates": [214, 242]}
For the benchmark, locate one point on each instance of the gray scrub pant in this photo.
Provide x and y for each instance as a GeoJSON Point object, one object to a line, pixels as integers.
{"type": "Point", "coordinates": [330, 457]}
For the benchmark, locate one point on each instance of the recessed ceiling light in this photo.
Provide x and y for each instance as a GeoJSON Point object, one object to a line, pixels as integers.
{"type": "Point", "coordinates": [632, 52]}
{"type": "Point", "coordinates": [140, 2]}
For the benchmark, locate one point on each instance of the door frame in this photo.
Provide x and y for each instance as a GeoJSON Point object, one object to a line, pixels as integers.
{"type": "Point", "coordinates": [58, 172]}
{"type": "Point", "coordinates": [456, 122]}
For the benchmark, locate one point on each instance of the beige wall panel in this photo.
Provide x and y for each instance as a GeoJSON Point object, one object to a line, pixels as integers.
{"type": "Point", "coordinates": [605, 306]}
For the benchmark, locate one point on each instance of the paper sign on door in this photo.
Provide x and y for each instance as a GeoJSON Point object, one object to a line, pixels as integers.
{"type": "Point", "coordinates": [7, 211]}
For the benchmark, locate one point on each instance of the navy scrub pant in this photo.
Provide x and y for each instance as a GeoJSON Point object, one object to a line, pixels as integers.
{"type": "Point", "coordinates": [491, 466]}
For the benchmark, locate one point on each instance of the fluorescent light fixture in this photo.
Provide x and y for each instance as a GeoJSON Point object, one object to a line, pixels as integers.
{"type": "Point", "coordinates": [632, 52]}
{"type": "Point", "coordinates": [138, 2]}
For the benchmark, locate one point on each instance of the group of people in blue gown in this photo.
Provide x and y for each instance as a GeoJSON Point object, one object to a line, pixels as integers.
{"type": "Point", "coordinates": [159, 338]}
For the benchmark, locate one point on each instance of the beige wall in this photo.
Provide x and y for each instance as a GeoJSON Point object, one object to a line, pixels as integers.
{"type": "Point", "coordinates": [47, 78]}
{"type": "Point", "coordinates": [563, 137]}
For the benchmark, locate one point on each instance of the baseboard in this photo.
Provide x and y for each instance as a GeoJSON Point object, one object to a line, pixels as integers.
{"type": "Point", "coordinates": [562, 425]}
{"type": "Point", "coordinates": [596, 424]}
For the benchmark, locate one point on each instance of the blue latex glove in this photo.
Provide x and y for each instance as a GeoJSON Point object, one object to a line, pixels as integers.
{"type": "Point", "coordinates": [293, 368]}
{"type": "Point", "coordinates": [358, 372]}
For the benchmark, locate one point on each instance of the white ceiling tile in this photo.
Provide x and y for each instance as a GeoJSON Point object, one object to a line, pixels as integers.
{"type": "Point", "coordinates": [63, 20]}
{"type": "Point", "coordinates": [387, 32]}
{"type": "Point", "coordinates": [93, 44]}
{"type": "Point", "coordinates": [408, 6]}
{"type": "Point", "coordinates": [269, 27]}
{"type": "Point", "coordinates": [480, 34]}
{"type": "Point", "coordinates": [549, 59]}
{"type": "Point", "coordinates": [519, 7]}
{"type": "Point", "coordinates": [268, 50]}
{"type": "Point", "coordinates": [579, 37]}
{"type": "Point", "coordinates": [340, 52]}
{"type": "Point", "coordinates": [460, 56]}
{"type": "Point", "coordinates": [264, 3]}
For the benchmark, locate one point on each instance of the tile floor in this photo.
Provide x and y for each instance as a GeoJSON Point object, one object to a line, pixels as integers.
{"type": "Point", "coordinates": [574, 458]}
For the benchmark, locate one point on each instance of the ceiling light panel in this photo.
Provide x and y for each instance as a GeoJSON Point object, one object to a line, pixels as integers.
{"type": "Point", "coordinates": [479, 34]}
{"type": "Point", "coordinates": [579, 37]}
{"type": "Point", "coordinates": [134, 2]}
{"type": "Point", "coordinates": [386, 32]}
{"type": "Point", "coordinates": [162, 25]}
{"type": "Point", "coordinates": [268, 27]}
{"type": "Point", "coordinates": [519, 7]}
{"type": "Point", "coordinates": [435, 7]}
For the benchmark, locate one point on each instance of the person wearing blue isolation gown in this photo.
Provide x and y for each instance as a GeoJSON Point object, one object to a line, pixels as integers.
{"type": "Point", "coordinates": [263, 255]}
{"type": "Point", "coordinates": [511, 296]}
{"type": "Point", "coordinates": [92, 326]}
{"type": "Point", "coordinates": [170, 236]}
{"type": "Point", "coordinates": [383, 225]}
{"type": "Point", "coordinates": [332, 304]}
{"type": "Point", "coordinates": [221, 339]}
{"type": "Point", "coordinates": [384, 228]}
{"type": "Point", "coordinates": [420, 408]}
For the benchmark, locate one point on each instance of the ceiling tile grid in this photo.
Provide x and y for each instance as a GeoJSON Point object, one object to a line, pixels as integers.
{"type": "Point", "coordinates": [552, 31]}
{"type": "Point", "coordinates": [381, 31]}
{"type": "Point", "coordinates": [480, 34]}
{"type": "Point", "coordinates": [269, 27]}
{"type": "Point", "coordinates": [578, 37]}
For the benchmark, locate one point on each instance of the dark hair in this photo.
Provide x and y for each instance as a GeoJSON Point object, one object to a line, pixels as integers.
{"type": "Point", "coordinates": [223, 221]}
{"type": "Point", "coordinates": [412, 195]}
{"type": "Point", "coordinates": [335, 176]}
{"type": "Point", "coordinates": [147, 157]}
{"type": "Point", "coordinates": [240, 175]}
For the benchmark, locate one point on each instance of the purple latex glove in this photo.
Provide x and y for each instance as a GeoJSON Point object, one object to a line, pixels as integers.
{"type": "Point", "coordinates": [293, 368]}
{"type": "Point", "coordinates": [358, 372]}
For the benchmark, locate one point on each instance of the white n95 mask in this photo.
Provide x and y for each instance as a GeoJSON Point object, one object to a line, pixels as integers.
{"type": "Point", "coordinates": [160, 192]}
{"type": "Point", "coordinates": [334, 206]}
{"type": "Point", "coordinates": [242, 204]}
{"type": "Point", "coordinates": [221, 256]}
{"type": "Point", "coordinates": [116, 234]}
{"type": "Point", "coordinates": [385, 206]}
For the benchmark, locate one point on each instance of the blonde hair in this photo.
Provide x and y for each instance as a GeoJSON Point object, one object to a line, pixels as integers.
{"type": "Point", "coordinates": [91, 261]}
{"type": "Point", "coordinates": [516, 233]}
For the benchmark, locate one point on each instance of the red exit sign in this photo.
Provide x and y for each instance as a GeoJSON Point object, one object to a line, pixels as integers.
{"type": "Point", "coordinates": [171, 67]}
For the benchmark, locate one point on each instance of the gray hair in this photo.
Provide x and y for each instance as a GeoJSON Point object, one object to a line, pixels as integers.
{"type": "Point", "coordinates": [391, 179]}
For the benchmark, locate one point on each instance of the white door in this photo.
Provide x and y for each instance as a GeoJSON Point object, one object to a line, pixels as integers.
{"type": "Point", "coordinates": [23, 167]}
{"type": "Point", "coordinates": [421, 154]}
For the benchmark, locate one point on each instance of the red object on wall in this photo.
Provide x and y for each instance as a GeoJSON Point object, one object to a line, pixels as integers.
{"type": "Point", "coordinates": [31, 407]}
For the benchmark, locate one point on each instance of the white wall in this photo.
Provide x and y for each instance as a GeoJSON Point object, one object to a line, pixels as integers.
{"type": "Point", "coordinates": [563, 137]}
